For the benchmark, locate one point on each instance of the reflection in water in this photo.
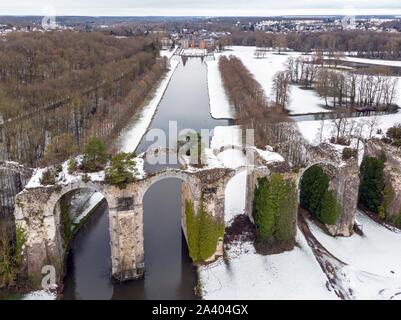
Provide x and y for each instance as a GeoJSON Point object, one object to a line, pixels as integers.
{"type": "Point", "coordinates": [185, 101]}
{"type": "Point", "coordinates": [169, 273]}
{"type": "Point", "coordinates": [89, 261]}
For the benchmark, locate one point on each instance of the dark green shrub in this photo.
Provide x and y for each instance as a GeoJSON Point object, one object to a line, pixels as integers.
{"type": "Point", "coordinates": [95, 155]}
{"type": "Point", "coordinates": [263, 213]}
{"type": "Point", "coordinates": [120, 173]}
{"type": "Point", "coordinates": [372, 183]}
{"type": "Point", "coordinates": [203, 232]}
{"type": "Point", "coordinates": [331, 209]}
{"type": "Point", "coordinates": [210, 231]}
{"type": "Point", "coordinates": [287, 211]}
{"type": "Point", "coordinates": [275, 209]}
{"type": "Point", "coordinates": [313, 186]}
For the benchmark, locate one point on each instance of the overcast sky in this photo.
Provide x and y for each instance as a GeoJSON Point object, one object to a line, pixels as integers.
{"type": "Point", "coordinates": [198, 7]}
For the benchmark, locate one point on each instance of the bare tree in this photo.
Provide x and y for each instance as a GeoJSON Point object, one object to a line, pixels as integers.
{"type": "Point", "coordinates": [280, 42]}
{"type": "Point", "coordinates": [339, 120]}
{"type": "Point", "coordinates": [281, 87]}
{"type": "Point", "coordinates": [372, 124]}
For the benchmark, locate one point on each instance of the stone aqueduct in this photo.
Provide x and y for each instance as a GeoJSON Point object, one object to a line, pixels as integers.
{"type": "Point", "coordinates": [37, 210]}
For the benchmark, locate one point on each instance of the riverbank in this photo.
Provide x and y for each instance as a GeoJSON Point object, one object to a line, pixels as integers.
{"type": "Point", "coordinates": [132, 136]}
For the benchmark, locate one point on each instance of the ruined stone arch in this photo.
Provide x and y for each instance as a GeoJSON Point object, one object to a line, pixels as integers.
{"type": "Point", "coordinates": [80, 185]}
{"type": "Point", "coordinates": [344, 182]}
{"type": "Point", "coordinates": [158, 152]}
{"type": "Point", "coordinates": [187, 178]}
{"type": "Point", "coordinates": [36, 212]}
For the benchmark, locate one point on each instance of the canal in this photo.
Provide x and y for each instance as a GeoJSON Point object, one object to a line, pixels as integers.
{"type": "Point", "coordinates": [169, 271]}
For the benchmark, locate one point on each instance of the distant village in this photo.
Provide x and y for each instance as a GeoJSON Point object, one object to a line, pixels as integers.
{"type": "Point", "coordinates": [324, 25]}
{"type": "Point", "coordinates": [203, 34]}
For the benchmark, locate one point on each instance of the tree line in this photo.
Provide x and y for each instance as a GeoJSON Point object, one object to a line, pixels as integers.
{"type": "Point", "coordinates": [368, 44]}
{"type": "Point", "coordinates": [253, 111]}
{"type": "Point", "coordinates": [366, 88]}
{"type": "Point", "coordinates": [72, 86]}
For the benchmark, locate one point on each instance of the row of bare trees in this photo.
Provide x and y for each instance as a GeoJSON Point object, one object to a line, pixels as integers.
{"type": "Point", "coordinates": [371, 89]}
{"type": "Point", "coordinates": [253, 111]}
{"type": "Point", "coordinates": [379, 45]}
{"type": "Point", "coordinates": [368, 89]}
{"type": "Point", "coordinates": [96, 97]}
{"type": "Point", "coordinates": [42, 69]}
{"type": "Point", "coordinates": [302, 70]}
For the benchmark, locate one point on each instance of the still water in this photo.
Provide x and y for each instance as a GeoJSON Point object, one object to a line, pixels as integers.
{"type": "Point", "coordinates": [169, 272]}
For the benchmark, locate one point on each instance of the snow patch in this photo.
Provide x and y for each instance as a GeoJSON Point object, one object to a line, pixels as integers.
{"type": "Point", "coordinates": [248, 275]}
{"type": "Point", "coordinates": [220, 107]}
{"type": "Point", "coordinates": [226, 136]}
{"type": "Point", "coordinates": [234, 200]}
{"type": "Point", "coordinates": [301, 101]}
{"type": "Point", "coordinates": [40, 295]}
{"type": "Point", "coordinates": [377, 251]}
{"type": "Point", "coordinates": [131, 137]}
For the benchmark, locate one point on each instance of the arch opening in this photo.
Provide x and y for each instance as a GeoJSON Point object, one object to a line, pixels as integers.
{"type": "Point", "coordinates": [318, 195]}
{"type": "Point", "coordinates": [235, 196]}
{"type": "Point", "coordinates": [84, 237]}
{"type": "Point", "coordinates": [169, 272]}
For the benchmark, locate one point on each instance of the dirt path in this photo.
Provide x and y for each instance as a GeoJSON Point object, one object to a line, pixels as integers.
{"type": "Point", "coordinates": [330, 264]}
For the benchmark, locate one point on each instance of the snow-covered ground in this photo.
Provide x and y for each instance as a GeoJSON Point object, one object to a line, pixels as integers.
{"type": "Point", "coordinates": [40, 295]}
{"type": "Point", "coordinates": [220, 107]}
{"type": "Point", "coordinates": [64, 177]}
{"type": "Point", "coordinates": [377, 251]}
{"type": "Point", "coordinates": [393, 63]}
{"type": "Point", "coordinates": [167, 53]}
{"type": "Point", "coordinates": [226, 136]}
{"type": "Point", "coordinates": [130, 137]}
{"type": "Point", "coordinates": [373, 269]}
{"type": "Point", "coordinates": [234, 201]}
{"type": "Point", "coordinates": [362, 285]}
{"type": "Point", "coordinates": [301, 102]}
{"type": "Point", "coordinates": [368, 272]}
{"type": "Point", "coordinates": [316, 131]}
{"type": "Point", "coordinates": [247, 275]}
